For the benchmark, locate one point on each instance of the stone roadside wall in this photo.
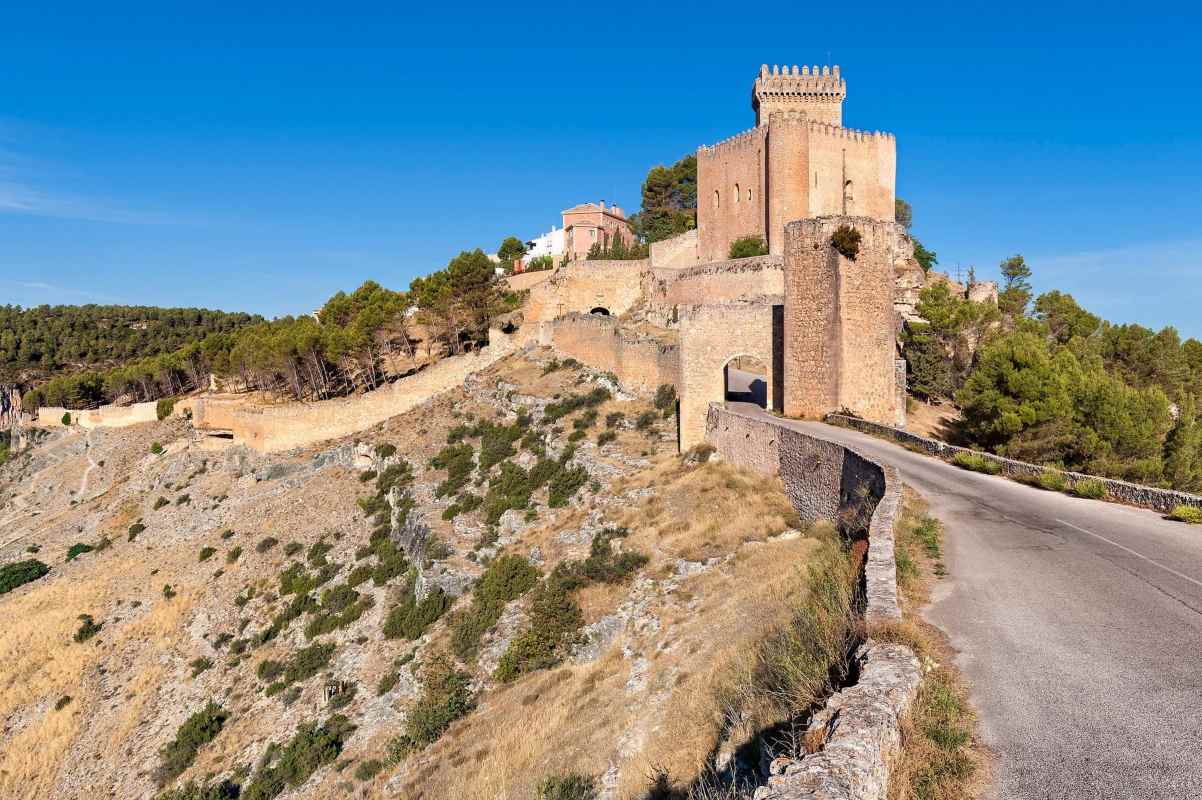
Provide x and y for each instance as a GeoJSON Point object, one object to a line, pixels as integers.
{"type": "Point", "coordinates": [1162, 500]}
{"type": "Point", "coordinates": [679, 251]}
{"type": "Point", "coordinates": [862, 723]}
{"type": "Point", "coordinates": [638, 361]}
{"type": "Point", "coordinates": [719, 282]}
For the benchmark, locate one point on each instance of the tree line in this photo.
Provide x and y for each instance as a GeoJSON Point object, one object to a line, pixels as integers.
{"type": "Point", "coordinates": [1047, 381]}
{"type": "Point", "coordinates": [344, 348]}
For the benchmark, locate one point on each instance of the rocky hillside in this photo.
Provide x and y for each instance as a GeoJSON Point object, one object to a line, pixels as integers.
{"type": "Point", "coordinates": [513, 590]}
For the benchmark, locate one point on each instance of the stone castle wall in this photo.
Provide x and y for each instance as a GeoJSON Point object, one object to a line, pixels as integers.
{"type": "Point", "coordinates": [582, 286]}
{"type": "Point", "coordinates": [638, 362]}
{"type": "Point", "coordinates": [103, 417]}
{"type": "Point", "coordinates": [731, 202]}
{"type": "Point", "coordinates": [679, 251]}
{"type": "Point", "coordinates": [719, 282]}
{"type": "Point", "coordinates": [839, 324]}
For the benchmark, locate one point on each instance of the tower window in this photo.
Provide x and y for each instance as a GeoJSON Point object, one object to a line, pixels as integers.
{"type": "Point", "coordinates": [737, 194]}
{"type": "Point", "coordinates": [717, 199]}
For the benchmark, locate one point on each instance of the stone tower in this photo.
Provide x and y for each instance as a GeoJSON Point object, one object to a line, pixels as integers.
{"type": "Point", "coordinates": [798, 162]}
{"type": "Point", "coordinates": [817, 92]}
{"type": "Point", "coordinates": [840, 344]}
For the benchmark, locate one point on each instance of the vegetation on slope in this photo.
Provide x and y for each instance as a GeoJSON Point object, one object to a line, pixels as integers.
{"type": "Point", "coordinates": [1051, 383]}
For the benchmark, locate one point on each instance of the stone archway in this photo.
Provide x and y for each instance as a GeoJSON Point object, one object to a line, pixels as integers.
{"type": "Point", "coordinates": [600, 311]}
{"type": "Point", "coordinates": [745, 380]}
{"type": "Point", "coordinates": [711, 337]}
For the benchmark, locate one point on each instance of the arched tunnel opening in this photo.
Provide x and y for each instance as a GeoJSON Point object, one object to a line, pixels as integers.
{"type": "Point", "coordinates": [745, 380]}
{"type": "Point", "coordinates": [600, 311]}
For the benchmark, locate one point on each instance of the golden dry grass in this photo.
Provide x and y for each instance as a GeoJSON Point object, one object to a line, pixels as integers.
{"type": "Point", "coordinates": [943, 757]}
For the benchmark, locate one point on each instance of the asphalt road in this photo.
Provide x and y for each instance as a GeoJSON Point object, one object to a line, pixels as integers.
{"type": "Point", "coordinates": [1078, 624]}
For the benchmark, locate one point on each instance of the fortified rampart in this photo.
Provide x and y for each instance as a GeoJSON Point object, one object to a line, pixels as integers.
{"type": "Point", "coordinates": [109, 416]}
{"type": "Point", "coordinates": [614, 286]}
{"type": "Point", "coordinates": [679, 251]}
{"type": "Point", "coordinates": [639, 362]}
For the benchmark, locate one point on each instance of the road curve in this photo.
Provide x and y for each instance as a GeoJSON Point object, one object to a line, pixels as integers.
{"type": "Point", "coordinates": [1078, 624]}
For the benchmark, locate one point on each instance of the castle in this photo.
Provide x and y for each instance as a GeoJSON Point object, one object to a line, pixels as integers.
{"type": "Point", "coordinates": [817, 325]}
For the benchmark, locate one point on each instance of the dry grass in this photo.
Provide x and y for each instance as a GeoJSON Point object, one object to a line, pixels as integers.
{"type": "Point", "coordinates": [943, 757]}
{"type": "Point", "coordinates": [707, 511]}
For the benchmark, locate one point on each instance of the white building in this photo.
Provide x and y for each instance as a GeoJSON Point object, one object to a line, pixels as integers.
{"type": "Point", "coordinates": [549, 244]}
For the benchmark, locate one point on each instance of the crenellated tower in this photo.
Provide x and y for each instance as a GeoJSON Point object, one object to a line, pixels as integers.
{"type": "Point", "coordinates": [819, 92]}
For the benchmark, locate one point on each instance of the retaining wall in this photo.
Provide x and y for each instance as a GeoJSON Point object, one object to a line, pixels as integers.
{"type": "Point", "coordinates": [862, 723]}
{"type": "Point", "coordinates": [1162, 500]}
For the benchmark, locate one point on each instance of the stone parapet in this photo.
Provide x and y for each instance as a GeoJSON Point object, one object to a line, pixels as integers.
{"type": "Point", "coordinates": [1162, 500]}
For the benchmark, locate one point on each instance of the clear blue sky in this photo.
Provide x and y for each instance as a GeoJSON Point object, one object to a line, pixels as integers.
{"type": "Point", "coordinates": [262, 157]}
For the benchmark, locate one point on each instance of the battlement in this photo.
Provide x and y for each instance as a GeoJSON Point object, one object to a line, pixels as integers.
{"type": "Point", "coordinates": [747, 139]}
{"type": "Point", "coordinates": [839, 132]}
{"type": "Point", "coordinates": [817, 91]}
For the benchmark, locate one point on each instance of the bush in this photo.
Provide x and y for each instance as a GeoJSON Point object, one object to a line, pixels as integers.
{"type": "Point", "coordinates": [572, 786]}
{"type": "Point", "coordinates": [88, 628]}
{"type": "Point", "coordinates": [748, 246]}
{"type": "Point", "coordinates": [645, 421]}
{"type": "Point", "coordinates": [368, 769]}
{"type": "Point", "coordinates": [310, 748]}
{"type": "Point", "coordinates": [1191, 515]}
{"type": "Point", "coordinates": [665, 400]}
{"type": "Point", "coordinates": [63, 702]}
{"type": "Point", "coordinates": [199, 665]}
{"type": "Point", "coordinates": [1049, 479]}
{"type": "Point", "coordinates": [369, 475]}
{"type": "Point", "coordinates": [846, 241]}
{"type": "Point", "coordinates": [168, 592]}
{"type": "Point", "coordinates": [136, 529]}
{"type": "Point", "coordinates": [222, 790]}
{"type": "Point", "coordinates": [1090, 488]}
{"type": "Point", "coordinates": [553, 627]}
{"type": "Point", "coordinates": [233, 555]}
{"type": "Point", "coordinates": [292, 548]}
{"type": "Point", "coordinates": [78, 549]}
{"type": "Point", "coordinates": [266, 544]}
{"type": "Point", "coordinates": [197, 731]}
{"type": "Point", "coordinates": [66, 418]}
{"type": "Point", "coordinates": [388, 682]}
{"type": "Point", "coordinates": [603, 565]}
{"type": "Point", "coordinates": [507, 578]}
{"type": "Point", "coordinates": [614, 418]}
{"type": "Point", "coordinates": [565, 484]}
{"type": "Point", "coordinates": [977, 463]}
{"type": "Point", "coordinates": [385, 450]}
{"type": "Point", "coordinates": [162, 501]}
{"type": "Point", "coordinates": [340, 606]}
{"type": "Point", "coordinates": [496, 444]}
{"type": "Point", "coordinates": [206, 553]}
{"type": "Point", "coordinates": [558, 410]}
{"type": "Point", "coordinates": [164, 407]}
{"type": "Point", "coordinates": [445, 698]}
{"type": "Point", "coordinates": [156, 448]}
{"type": "Point", "coordinates": [21, 573]}
{"type": "Point", "coordinates": [605, 437]}
{"type": "Point", "coordinates": [410, 619]}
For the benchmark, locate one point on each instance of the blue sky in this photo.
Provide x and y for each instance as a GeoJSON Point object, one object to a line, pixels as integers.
{"type": "Point", "coordinates": [263, 159]}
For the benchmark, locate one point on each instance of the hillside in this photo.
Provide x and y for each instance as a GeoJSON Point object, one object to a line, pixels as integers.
{"type": "Point", "coordinates": [38, 342]}
{"type": "Point", "coordinates": [517, 582]}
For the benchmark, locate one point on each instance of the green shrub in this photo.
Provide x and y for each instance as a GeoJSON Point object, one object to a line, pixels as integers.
{"type": "Point", "coordinates": [748, 246]}
{"type": "Point", "coordinates": [458, 460]}
{"type": "Point", "coordinates": [269, 670]}
{"type": "Point", "coordinates": [164, 407]}
{"type": "Point", "coordinates": [385, 450]}
{"type": "Point", "coordinates": [78, 549]}
{"type": "Point", "coordinates": [645, 421]}
{"type": "Point", "coordinates": [228, 533]}
{"type": "Point", "coordinates": [359, 575]}
{"type": "Point", "coordinates": [603, 564]}
{"type": "Point", "coordinates": [207, 552]}
{"type": "Point", "coordinates": [66, 420]}
{"type": "Point", "coordinates": [576, 436]}
{"type": "Point", "coordinates": [307, 662]}
{"type": "Point", "coordinates": [266, 544]}
{"type": "Point", "coordinates": [197, 731]}
{"type": "Point", "coordinates": [572, 786]}
{"type": "Point", "coordinates": [368, 769]}
{"type": "Point", "coordinates": [409, 619]}
{"type": "Point", "coordinates": [445, 698]}
{"type": "Point", "coordinates": [507, 578]}
{"type": "Point", "coordinates": [369, 475]}
{"type": "Point", "coordinates": [162, 501]}
{"type": "Point", "coordinates": [343, 698]}
{"type": "Point", "coordinates": [1089, 488]}
{"type": "Point", "coordinates": [199, 665]}
{"type": "Point", "coordinates": [496, 444]}
{"type": "Point", "coordinates": [233, 555]}
{"type": "Point", "coordinates": [552, 629]}
{"type": "Point", "coordinates": [585, 420]}
{"type": "Point", "coordinates": [551, 366]}
{"type": "Point", "coordinates": [846, 241]}
{"type": "Point", "coordinates": [183, 500]}
{"type": "Point", "coordinates": [605, 438]}
{"type": "Point", "coordinates": [613, 419]}
{"type": "Point", "coordinates": [1191, 515]}
{"type": "Point", "coordinates": [136, 529]}
{"type": "Point", "coordinates": [565, 484]}
{"type": "Point", "coordinates": [340, 606]}
{"type": "Point", "coordinates": [63, 702]}
{"type": "Point", "coordinates": [388, 682]}
{"type": "Point", "coordinates": [20, 573]}
{"type": "Point", "coordinates": [156, 448]}
{"type": "Point", "coordinates": [290, 766]}
{"type": "Point", "coordinates": [222, 790]}
{"type": "Point", "coordinates": [292, 548]}
{"type": "Point", "coordinates": [562, 408]}
{"type": "Point", "coordinates": [1050, 480]}
{"type": "Point", "coordinates": [976, 463]}
{"type": "Point", "coordinates": [168, 592]}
